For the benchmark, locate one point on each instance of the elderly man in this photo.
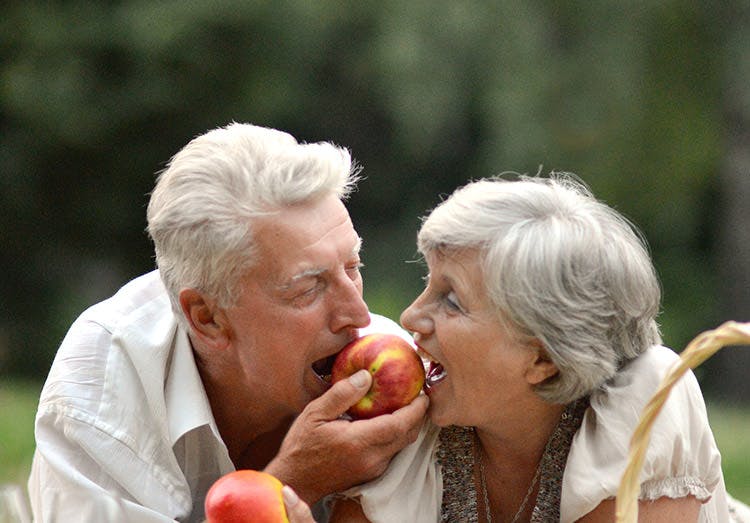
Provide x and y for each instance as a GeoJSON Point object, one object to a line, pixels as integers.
{"type": "Point", "coordinates": [217, 360]}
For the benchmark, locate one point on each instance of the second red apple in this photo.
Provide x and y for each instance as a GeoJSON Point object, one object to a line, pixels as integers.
{"type": "Point", "coordinates": [245, 496]}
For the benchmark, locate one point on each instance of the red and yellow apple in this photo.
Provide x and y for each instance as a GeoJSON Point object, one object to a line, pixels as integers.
{"type": "Point", "coordinates": [245, 496]}
{"type": "Point", "coordinates": [396, 368]}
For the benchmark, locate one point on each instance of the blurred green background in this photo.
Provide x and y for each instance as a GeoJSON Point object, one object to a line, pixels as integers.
{"type": "Point", "coordinates": [648, 102]}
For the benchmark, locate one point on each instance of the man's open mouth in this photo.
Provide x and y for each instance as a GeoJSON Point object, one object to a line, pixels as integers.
{"type": "Point", "coordinates": [323, 367]}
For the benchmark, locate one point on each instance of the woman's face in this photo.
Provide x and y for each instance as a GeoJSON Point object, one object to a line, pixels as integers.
{"type": "Point", "coordinates": [479, 368]}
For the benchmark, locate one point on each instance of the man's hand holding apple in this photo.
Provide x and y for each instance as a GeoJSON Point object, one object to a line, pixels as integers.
{"type": "Point", "coordinates": [322, 453]}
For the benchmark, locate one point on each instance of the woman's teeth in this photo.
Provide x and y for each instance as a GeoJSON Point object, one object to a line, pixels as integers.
{"type": "Point", "coordinates": [435, 374]}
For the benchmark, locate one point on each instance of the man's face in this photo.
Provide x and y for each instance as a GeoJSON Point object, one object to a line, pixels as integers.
{"type": "Point", "coordinates": [300, 304]}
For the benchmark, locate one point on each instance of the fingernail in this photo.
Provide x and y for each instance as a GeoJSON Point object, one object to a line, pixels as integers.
{"type": "Point", "coordinates": [359, 378]}
{"type": "Point", "coordinates": [290, 496]}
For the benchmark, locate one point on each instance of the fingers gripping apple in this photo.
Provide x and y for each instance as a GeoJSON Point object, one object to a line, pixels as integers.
{"type": "Point", "coordinates": [397, 373]}
{"type": "Point", "coordinates": [245, 496]}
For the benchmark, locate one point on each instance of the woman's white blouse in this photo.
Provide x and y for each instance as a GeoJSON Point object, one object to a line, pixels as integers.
{"type": "Point", "coordinates": [682, 457]}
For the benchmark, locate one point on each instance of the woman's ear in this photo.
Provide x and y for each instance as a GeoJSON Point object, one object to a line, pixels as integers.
{"type": "Point", "coordinates": [207, 321]}
{"type": "Point", "coordinates": [542, 367]}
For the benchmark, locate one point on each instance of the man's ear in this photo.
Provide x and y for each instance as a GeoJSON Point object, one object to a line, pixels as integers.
{"type": "Point", "coordinates": [541, 367]}
{"type": "Point", "coordinates": [207, 321]}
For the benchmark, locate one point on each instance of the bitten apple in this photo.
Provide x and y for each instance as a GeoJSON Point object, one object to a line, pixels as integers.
{"type": "Point", "coordinates": [245, 496]}
{"type": "Point", "coordinates": [397, 373]}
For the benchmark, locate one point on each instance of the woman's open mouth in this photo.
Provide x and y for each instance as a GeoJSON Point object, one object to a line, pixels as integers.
{"type": "Point", "coordinates": [435, 374]}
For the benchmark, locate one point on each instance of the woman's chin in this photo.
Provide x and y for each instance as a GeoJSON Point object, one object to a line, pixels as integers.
{"type": "Point", "coordinates": [438, 416]}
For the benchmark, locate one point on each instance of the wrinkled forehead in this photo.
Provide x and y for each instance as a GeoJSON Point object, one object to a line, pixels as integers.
{"type": "Point", "coordinates": [305, 238]}
{"type": "Point", "coordinates": [461, 254]}
{"type": "Point", "coordinates": [460, 263]}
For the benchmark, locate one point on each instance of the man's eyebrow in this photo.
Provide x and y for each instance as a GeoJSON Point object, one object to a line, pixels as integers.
{"type": "Point", "coordinates": [314, 272]}
{"type": "Point", "coordinates": [309, 273]}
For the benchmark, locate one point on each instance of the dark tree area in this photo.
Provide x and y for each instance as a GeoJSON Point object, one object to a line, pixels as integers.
{"type": "Point", "coordinates": [649, 103]}
{"type": "Point", "coordinates": [726, 373]}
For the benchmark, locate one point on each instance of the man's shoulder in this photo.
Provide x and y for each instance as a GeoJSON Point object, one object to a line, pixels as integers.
{"type": "Point", "coordinates": [137, 320]}
{"type": "Point", "coordinates": [143, 293]}
{"type": "Point", "coordinates": [111, 347]}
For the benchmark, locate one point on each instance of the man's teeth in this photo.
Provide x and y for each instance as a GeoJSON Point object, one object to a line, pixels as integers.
{"type": "Point", "coordinates": [323, 367]}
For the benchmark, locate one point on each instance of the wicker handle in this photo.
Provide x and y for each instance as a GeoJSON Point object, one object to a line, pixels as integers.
{"type": "Point", "coordinates": [698, 350]}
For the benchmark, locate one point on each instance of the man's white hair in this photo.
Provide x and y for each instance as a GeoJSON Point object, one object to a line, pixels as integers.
{"type": "Point", "coordinates": [560, 266]}
{"type": "Point", "coordinates": [201, 212]}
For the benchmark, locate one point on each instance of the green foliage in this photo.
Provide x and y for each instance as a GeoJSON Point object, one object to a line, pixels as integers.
{"type": "Point", "coordinates": [18, 402]}
{"type": "Point", "coordinates": [96, 96]}
{"type": "Point", "coordinates": [731, 427]}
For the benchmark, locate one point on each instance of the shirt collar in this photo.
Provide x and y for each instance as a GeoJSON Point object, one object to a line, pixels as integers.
{"type": "Point", "coordinates": [187, 402]}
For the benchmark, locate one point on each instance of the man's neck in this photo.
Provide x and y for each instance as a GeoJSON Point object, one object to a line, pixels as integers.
{"type": "Point", "coordinates": [251, 429]}
{"type": "Point", "coordinates": [259, 452]}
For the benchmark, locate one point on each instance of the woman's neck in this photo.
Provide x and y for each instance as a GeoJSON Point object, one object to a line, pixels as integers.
{"type": "Point", "coordinates": [520, 440]}
{"type": "Point", "coordinates": [508, 459]}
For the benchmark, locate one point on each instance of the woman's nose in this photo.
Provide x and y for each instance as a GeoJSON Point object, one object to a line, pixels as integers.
{"type": "Point", "coordinates": [414, 318]}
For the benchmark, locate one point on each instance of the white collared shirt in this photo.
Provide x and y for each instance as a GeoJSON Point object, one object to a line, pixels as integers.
{"type": "Point", "coordinates": [124, 425]}
{"type": "Point", "coordinates": [124, 430]}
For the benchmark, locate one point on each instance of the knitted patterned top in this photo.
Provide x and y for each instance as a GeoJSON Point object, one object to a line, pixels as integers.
{"type": "Point", "coordinates": [456, 457]}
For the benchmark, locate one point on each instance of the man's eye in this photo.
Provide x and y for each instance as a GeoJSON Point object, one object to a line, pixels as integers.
{"type": "Point", "coordinates": [309, 291]}
{"type": "Point", "coordinates": [307, 294]}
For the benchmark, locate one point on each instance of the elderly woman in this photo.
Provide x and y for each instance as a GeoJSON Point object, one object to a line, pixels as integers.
{"type": "Point", "coordinates": [538, 320]}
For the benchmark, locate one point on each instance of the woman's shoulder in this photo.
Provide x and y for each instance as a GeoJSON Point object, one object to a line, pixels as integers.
{"type": "Point", "coordinates": [682, 457]}
{"type": "Point", "coordinates": [646, 370]}
{"type": "Point", "coordinates": [616, 407]}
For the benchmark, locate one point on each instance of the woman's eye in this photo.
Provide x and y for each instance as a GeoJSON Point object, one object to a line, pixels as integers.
{"type": "Point", "coordinates": [451, 301]}
{"type": "Point", "coordinates": [353, 271]}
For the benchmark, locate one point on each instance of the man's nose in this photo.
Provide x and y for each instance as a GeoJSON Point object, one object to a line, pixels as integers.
{"type": "Point", "coordinates": [350, 308]}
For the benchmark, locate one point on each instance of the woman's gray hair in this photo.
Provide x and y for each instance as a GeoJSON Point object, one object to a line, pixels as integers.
{"type": "Point", "coordinates": [201, 211]}
{"type": "Point", "coordinates": [561, 267]}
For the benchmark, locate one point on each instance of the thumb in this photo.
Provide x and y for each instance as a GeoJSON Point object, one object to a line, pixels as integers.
{"type": "Point", "coordinates": [297, 510]}
{"type": "Point", "coordinates": [343, 395]}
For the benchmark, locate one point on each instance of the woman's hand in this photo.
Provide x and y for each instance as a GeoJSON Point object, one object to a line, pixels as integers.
{"type": "Point", "coordinates": [297, 510]}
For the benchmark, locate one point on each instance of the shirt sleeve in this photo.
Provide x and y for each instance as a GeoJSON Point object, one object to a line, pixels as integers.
{"type": "Point", "coordinates": [410, 489]}
{"type": "Point", "coordinates": [84, 469]}
{"type": "Point", "coordinates": [682, 458]}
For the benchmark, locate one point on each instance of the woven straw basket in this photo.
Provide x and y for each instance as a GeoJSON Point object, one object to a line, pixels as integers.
{"type": "Point", "coordinates": [698, 350]}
